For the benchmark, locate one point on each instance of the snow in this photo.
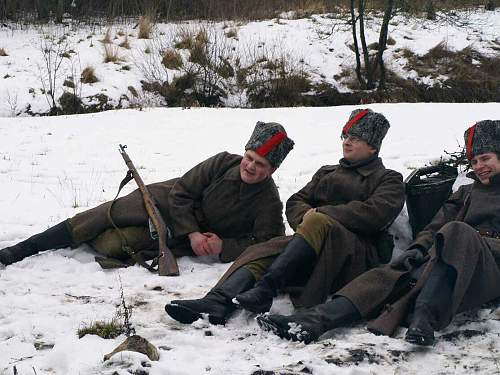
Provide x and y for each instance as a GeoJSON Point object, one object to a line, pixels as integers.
{"type": "Point", "coordinates": [307, 44]}
{"type": "Point", "coordinates": [53, 167]}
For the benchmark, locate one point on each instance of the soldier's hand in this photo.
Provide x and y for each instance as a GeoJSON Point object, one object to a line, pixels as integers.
{"type": "Point", "coordinates": [199, 243]}
{"type": "Point", "coordinates": [408, 260]}
{"type": "Point", "coordinates": [214, 242]}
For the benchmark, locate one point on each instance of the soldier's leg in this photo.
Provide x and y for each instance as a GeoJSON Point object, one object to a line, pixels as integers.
{"type": "Point", "coordinates": [301, 250]}
{"type": "Point", "coordinates": [309, 324]}
{"type": "Point", "coordinates": [55, 237]}
{"type": "Point", "coordinates": [110, 243]}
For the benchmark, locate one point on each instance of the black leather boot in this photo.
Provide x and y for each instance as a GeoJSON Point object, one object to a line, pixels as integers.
{"type": "Point", "coordinates": [260, 298]}
{"type": "Point", "coordinates": [432, 304]}
{"type": "Point", "coordinates": [217, 304]}
{"type": "Point", "coordinates": [55, 237]}
{"type": "Point", "coordinates": [308, 325]}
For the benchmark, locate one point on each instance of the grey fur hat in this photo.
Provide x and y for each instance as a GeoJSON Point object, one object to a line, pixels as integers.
{"type": "Point", "coordinates": [269, 140]}
{"type": "Point", "coordinates": [367, 125]}
{"type": "Point", "coordinates": [482, 137]}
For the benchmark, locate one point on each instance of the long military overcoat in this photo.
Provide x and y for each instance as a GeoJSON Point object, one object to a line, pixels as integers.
{"type": "Point", "coordinates": [453, 237]}
{"type": "Point", "coordinates": [211, 197]}
{"type": "Point", "coordinates": [363, 200]}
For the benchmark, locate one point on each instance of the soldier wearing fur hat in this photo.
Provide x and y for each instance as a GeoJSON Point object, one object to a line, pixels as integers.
{"type": "Point", "coordinates": [221, 206]}
{"type": "Point", "coordinates": [452, 266]}
{"type": "Point", "coordinates": [339, 217]}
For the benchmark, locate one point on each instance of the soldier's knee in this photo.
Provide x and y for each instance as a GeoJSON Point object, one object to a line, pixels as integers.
{"type": "Point", "coordinates": [317, 220]}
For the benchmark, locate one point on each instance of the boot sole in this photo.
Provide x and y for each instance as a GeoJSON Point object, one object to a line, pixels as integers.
{"type": "Point", "coordinates": [182, 314]}
{"type": "Point", "coordinates": [185, 315]}
{"type": "Point", "coordinates": [418, 338]}
{"type": "Point", "coordinates": [268, 325]}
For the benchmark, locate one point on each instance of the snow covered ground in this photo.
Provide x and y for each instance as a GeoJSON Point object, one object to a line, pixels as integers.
{"type": "Point", "coordinates": [54, 167]}
{"type": "Point", "coordinates": [304, 43]}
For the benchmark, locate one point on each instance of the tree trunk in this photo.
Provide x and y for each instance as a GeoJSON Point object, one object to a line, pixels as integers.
{"type": "Point", "coordinates": [59, 11]}
{"type": "Point", "coordinates": [382, 42]}
{"type": "Point", "coordinates": [366, 56]}
{"type": "Point", "coordinates": [42, 10]}
{"type": "Point", "coordinates": [356, 47]}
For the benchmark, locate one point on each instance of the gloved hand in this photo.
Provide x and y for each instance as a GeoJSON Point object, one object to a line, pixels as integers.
{"type": "Point", "coordinates": [410, 259]}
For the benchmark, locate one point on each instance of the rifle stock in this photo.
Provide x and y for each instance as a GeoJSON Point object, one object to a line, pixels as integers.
{"type": "Point", "coordinates": [167, 264]}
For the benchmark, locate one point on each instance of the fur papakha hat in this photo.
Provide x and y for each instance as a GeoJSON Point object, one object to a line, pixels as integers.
{"type": "Point", "coordinates": [368, 125]}
{"type": "Point", "coordinates": [482, 137]}
{"type": "Point", "coordinates": [269, 140]}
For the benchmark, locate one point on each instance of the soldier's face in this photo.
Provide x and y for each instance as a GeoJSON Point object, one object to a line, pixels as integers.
{"type": "Point", "coordinates": [254, 168]}
{"type": "Point", "coordinates": [356, 149]}
{"type": "Point", "coordinates": [485, 166]}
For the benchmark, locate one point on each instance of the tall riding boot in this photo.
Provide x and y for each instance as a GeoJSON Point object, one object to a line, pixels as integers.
{"type": "Point", "coordinates": [55, 237]}
{"type": "Point", "coordinates": [260, 298]}
{"type": "Point", "coordinates": [308, 325]}
{"type": "Point", "coordinates": [432, 304]}
{"type": "Point", "coordinates": [217, 304]}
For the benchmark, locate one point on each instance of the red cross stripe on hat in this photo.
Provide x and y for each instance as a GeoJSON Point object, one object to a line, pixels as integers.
{"type": "Point", "coordinates": [354, 120]}
{"type": "Point", "coordinates": [272, 142]}
{"type": "Point", "coordinates": [470, 139]}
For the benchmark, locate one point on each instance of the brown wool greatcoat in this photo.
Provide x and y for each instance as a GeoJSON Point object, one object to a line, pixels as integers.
{"type": "Point", "coordinates": [211, 197]}
{"type": "Point", "coordinates": [363, 202]}
{"type": "Point", "coordinates": [451, 236]}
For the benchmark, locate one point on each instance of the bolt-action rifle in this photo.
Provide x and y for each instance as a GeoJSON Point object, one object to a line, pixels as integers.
{"type": "Point", "coordinates": [167, 265]}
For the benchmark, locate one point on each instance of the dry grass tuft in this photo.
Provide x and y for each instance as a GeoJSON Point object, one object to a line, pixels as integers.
{"type": "Point", "coordinates": [125, 43]}
{"type": "Point", "coordinates": [88, 75]}
{"type": "Point", "coordinates": [232, 33]}
{"type": "Point", "coordinates": [107, 37]}
{"type": "Point", "coordinates": [3, 52]}
{"type": "Point", "coordinates": [172, 59]}
{"type": "Point", "coordinates": [111, 53]}
{"type": "Point", "coordinates": [145, 27]}
{"type": "Point", "coordinates": [184, 39]}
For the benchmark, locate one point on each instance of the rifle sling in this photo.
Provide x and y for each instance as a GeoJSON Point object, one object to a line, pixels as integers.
{"type": "Point", "coordinates": [136, 256]}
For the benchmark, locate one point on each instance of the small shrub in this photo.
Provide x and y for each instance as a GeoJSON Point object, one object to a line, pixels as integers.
{"type": "Point", "coordinates": [106, 330]}
{"type": "Point", "coordinates": [184, 39]}
{"type": "Point", "coordinates": [88, 75]}
{"type": "Point", "coordinates": [145, 27]}
{"type": "Point", "coordinates": [107, 37]}
{"type": "Point", "coordinates": [172, 59]}
{"type": "Point", "coordinates": [3, 52]}
{"type": "Point", "coordinates": [391, 41]}
{"type": "Point", "coordinates": [111, 54]}
{"type": "Point", "coordinates": [198, 55]}
{"type": "Point", "coordinates": [147, 50]}
{"type": "Point", "coordinates": [232, 33]}
{"type": "Point", "coordinates": [125, 43]}
{"type": "Point", "coordinates": [373, 46]}
{"type": "Point", "coordinates": [202, 37]}
{"type": "Point", "coordinates": [126, 67]}
{"type": "Point", "coordinates": [70, 105]}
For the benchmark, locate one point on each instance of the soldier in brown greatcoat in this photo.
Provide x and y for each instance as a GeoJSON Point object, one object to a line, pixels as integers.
{"type": "Point", "coordinates": [221, 206]}
{"type": "Point", "coordinates": [339, 218]}
{"type": "Point", "coordinates": [452, 266]}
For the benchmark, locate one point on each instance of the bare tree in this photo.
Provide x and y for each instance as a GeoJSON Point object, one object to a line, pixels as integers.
{"type": "Point", "coordinates": [367, 73]}
{"type": "Point", "coordinates": [54, 50]}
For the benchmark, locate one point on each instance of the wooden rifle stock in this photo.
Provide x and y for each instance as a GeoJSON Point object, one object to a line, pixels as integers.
{"type": "Point", "coordinates": [167, 264]}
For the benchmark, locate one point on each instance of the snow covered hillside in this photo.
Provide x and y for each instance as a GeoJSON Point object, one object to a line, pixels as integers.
{"type": "Point", "coordinates": [303, 44]}
{"type": "Point", "coordinates": [54, 167]}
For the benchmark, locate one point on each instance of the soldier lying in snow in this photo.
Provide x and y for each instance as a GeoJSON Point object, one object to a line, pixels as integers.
{"type": "Point", "coordinates": [339, 219]}
{"type": "Point", "coordinates": [221, 206]}
{"type": "Point", "coordinates": [452, 266]}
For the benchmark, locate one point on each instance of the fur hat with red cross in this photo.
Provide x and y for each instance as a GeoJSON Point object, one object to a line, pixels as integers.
{"type": "Point", "coordinates": [368, 125]}
{"type": "Point", "coordinates": [482, 137]}
{"type": "Point", "coordinates": [269, 140]}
